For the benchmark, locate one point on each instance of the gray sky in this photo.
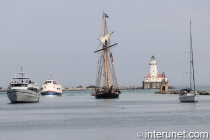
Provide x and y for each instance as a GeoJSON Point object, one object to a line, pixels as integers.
{"type": "Point", "coordinates": [59, 37]}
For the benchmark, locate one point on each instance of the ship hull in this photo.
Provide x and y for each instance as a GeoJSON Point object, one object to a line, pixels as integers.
{"type": "Point", "coordinates": [106, 95]}
{"type": "Point", "coordinates": [22, 96]}
{"type": "Point", "coordinates": [193, 98]}
{"type": "Point", "coordinates": [50, 93]}
{"type": "Point", "coordinates": [51, 87]}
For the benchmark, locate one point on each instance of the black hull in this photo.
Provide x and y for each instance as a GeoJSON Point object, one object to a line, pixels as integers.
{"type": "Point", "coordinates": [106, 96]}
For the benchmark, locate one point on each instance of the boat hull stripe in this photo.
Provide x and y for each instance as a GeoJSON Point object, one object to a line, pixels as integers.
{"type": "Point", "coordinates": [50, 93]}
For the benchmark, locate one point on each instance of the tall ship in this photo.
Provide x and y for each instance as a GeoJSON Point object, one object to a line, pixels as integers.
{"type": "Point", "coordinates": [189, 94]}
{"type": "Point", "coordinates": [51, 87]}
{"type": "Point", "coordinates": [22, 89]}
{"type": "Point", "coordinates": [107, 89]}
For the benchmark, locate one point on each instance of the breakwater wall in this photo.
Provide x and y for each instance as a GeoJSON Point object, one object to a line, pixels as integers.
{"type": "Point", "coordinates": [120, 88]}
{"type": "Point", "coordinates": [2, 90]}
{"type": "Point", "coordinates": [199, 92]}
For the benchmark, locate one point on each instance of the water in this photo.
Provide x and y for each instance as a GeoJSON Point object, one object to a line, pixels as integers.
{"type": "Point", "coordinates": [77, 115]}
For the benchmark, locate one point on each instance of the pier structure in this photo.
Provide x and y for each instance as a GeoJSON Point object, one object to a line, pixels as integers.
{"type": "Point", "coordinates": [154, 80]}
{"type": "Point", "coordinates": [164, 85]}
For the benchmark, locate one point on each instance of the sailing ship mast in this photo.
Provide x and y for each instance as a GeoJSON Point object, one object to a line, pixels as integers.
{"type": "Point", "coordinates": [105, 65]}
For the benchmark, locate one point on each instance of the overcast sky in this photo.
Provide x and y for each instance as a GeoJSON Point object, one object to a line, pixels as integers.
{"type": "Point", "coordinates": [59, 37]}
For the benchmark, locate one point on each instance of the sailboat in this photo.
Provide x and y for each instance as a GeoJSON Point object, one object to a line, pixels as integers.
{"type": "Point", "coordinates": [189, 94]}
{"type": "Point", "coordinates": [106, 71]}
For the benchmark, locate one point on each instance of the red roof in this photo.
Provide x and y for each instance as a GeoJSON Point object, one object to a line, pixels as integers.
{"type": "Point", "coordinates": [160, 76]}
{"type": "Point", "coordinates": [148, 76]}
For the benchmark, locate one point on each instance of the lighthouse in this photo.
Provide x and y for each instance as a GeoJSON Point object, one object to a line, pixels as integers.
{"type": "Point", "coordinates": [153, 68]}
{"type": "Point", "coordinates": [153, 79]}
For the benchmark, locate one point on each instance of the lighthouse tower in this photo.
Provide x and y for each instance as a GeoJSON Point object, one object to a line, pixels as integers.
{"type": "Point", "coordinates": [153, 69]}
{"type": "Point", "coordinates": [153, 79]}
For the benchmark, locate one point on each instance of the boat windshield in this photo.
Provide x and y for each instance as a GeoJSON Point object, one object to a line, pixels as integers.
{"type": "Point", "coordinates": [20, 81]}
{"type": "Point", "coordinates": [185, 91]}
{"type": "Point", "coordinates": [18, 85]}
{"type": "Point", "coordinates": [50, 82]}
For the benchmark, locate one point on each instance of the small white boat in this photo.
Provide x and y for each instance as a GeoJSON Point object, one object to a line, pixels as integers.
{"type": "Point", "coordinates": [22, 89]}
{"type": "Point", "coordinates": [51, 87]}
{"type": "Point", "coordinates": [189, 95]}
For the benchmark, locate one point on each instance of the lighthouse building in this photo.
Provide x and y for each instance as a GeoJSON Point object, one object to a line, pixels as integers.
{"type": "Point", "coordinates": [153, 80]}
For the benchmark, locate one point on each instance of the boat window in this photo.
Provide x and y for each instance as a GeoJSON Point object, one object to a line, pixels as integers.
{"type": "Point", "coordinates": [19, 85]}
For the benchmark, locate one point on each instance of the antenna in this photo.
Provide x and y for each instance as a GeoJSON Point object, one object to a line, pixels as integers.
{"type": "Point", "coordinates": [51, 77]}
{"type": "Point", "coordinates": [21, 71]}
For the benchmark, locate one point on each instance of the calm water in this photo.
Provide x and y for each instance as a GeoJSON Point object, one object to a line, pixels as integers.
{"type": "Point", "coordinates": [76, 115]}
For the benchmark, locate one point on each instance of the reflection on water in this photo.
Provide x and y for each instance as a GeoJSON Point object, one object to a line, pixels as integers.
{"type": "Point", "coordinates": [77, 115]}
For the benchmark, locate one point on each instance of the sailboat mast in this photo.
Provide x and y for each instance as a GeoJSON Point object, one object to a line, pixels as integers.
{"type": "Point", "coordinates": [190, 57]}
{"type": "Point", "coordinates": [192, 62]}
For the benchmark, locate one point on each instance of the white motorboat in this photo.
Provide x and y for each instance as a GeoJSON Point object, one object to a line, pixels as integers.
{"type": "Point", "coordinates": [51, 87]}
{"type": "Point", "coordinates": [22, 89]}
